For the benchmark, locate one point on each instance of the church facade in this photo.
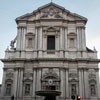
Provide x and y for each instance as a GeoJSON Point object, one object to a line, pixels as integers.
{"type": "Point", "coordinates": [49, 59]}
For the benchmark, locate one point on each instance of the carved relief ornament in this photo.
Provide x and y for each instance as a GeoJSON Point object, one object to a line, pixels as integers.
{"type": "Point", "coordinates": [51, 13]}
{"type": "Point", "coordinates": [92, 76]}
{"type": "Point", "coordinates": [9, 75]}
{"type": "Point", "coordinates": [55, 30]}
{"type": "Point", "coordinates": [27, 75]}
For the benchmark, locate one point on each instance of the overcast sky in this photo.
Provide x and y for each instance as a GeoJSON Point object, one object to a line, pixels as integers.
{"type": "Point", "coordinates": [11, 9]}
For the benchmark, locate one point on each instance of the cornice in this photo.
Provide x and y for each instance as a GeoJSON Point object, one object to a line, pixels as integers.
{"type": "Point", "coordinates": [51, 59]}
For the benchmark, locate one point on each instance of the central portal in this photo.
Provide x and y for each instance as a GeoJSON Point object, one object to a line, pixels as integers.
{"type": "Point", "coordinates": [50, 86]}
{"type": "Point", "coordinates": [48, 94]}
{"type": "Point", "coordinates": [50, 97]}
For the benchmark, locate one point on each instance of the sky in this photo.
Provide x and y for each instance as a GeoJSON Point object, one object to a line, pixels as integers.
{"type": "Point", "coordinates": [11, 9]}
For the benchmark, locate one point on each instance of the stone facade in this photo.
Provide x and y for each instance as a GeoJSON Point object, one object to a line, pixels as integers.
{"type": "Point", "coordinates": [50, 53]}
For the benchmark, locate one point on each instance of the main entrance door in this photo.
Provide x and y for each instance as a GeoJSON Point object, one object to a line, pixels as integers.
{"type": "Point", "coordinates": [50, 83]}
{"type": "Point", "coordinates": [50, 97]}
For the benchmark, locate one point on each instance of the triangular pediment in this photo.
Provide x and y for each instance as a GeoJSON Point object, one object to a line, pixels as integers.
{"type": "Point", "coordinates": [51, 11]}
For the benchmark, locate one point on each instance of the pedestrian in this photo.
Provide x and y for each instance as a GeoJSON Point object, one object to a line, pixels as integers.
{"type": "Point", "coordinates": [12, 97]}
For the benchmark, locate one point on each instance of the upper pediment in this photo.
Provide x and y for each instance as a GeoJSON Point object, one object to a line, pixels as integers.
{"type": "Point", "coordinates": [51, 11]}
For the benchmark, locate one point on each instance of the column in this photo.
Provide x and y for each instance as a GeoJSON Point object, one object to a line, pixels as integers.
{"type": "Point", "coordinates": [22, 37]}
{"type": "Point", "coordinates": [15, 82]}
{"type": "Point", "coordinates": [40, 42]}
{"type": "Point", "coordinates": [38, 79]}
{"type": "Point", "coordinates": [17, 86]}
{"type": "Point", "coordinates": [35, 45]}
{"type": "Point", "coordinates": [61, 42]}
{"type": "Point", "coordinates": [61, 38]}
{"type": "Point", "coordinates": [83, 38]}
{"type": "Point", "coordinates": [24, 32]}
{"type": "Point", "coordinates": [23, 44]}
{"type": "Point", "coordinates": [18, 83]}
{"type": "Point", "coordinates": [66, 42]}
{"type": "Point", "coordinates": [44, 41]}
{"type": "Point", "coordinates": [62, 83]}
{"type": "Point", "coordinates": [83, 92]}
{"type": "Point", "coordinates": [78, 38]}
{"type": "Point", "coordinates": [80, 83]}
{"type": "Point", "coordinates": [86, 84]}
{"type": "Point", "coordinates": [67, 87]}
{"type": "Point", "coordinates": [21, 82]}
{"type": "Point", "coordinates": [57, 40]}
{"type": "Point", "coordinates": [36, 31]}
{"type": "Point", "coordinates": [34, 82]}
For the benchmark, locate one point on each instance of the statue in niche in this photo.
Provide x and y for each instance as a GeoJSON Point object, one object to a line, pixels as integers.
{"type": "Point", "coordinates": [73, 89]}
{"type": "Point", "coordinates": [93, 91]}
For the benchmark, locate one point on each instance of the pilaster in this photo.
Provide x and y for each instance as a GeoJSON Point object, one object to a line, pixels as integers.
{"type": "Point", "coordinates": [18, 38]}
{"type": "Point", "coordinates": [98, 83]}
{"type": "Point", "coordinates": [3, 83]}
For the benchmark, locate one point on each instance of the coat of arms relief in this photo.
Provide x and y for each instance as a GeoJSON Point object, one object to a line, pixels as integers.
{"type": "Point", "coordinates": [51, 13]}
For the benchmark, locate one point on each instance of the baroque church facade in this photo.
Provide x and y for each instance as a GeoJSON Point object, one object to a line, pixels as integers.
{"type": "Point", "coordinates": [48, 59]}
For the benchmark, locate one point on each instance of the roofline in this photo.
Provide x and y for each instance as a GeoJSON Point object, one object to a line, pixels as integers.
{"type": "Point", "coordinates": [51, 3]}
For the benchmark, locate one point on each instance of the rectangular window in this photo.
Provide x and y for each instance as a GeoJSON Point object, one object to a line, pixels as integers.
{"type": "Point", "coordinates": [50, 42]}
{"type": "Point", "coordinates": [27, 89]}
{"type": "Point", "coordinates": [8, 89]}
{"type": "Point", "coordinates": [30, 42]}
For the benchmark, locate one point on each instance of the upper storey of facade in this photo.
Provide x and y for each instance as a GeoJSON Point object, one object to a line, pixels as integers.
{"type": "Point", "coordinates": [50, 31]}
